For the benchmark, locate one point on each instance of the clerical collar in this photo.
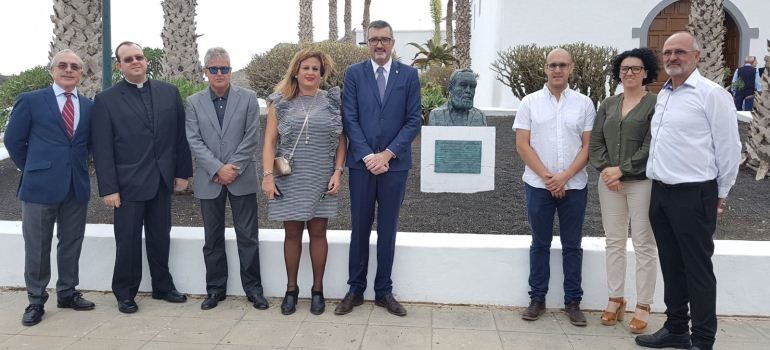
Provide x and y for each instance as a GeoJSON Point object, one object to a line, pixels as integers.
{"type": "Point", "coordinates": [138, 86]}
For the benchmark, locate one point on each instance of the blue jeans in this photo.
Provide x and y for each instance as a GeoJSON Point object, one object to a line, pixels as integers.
{"type": "Point", "coordinates": [541, 207]}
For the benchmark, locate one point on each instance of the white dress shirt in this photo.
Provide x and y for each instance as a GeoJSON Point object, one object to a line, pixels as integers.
{"type": "Point", "coordinates": [556, 131]}
{"type": "Point", "coordinates": [694, 135]}
{"type": "Point", "coordinates": [61, 99]}
{"type": "Point", "coordinates": [386, 66]}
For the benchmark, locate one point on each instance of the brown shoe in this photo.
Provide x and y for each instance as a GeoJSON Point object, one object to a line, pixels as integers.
{"type": "Point", "coordinates": [533, 312]}
{"type": "Point", "coordinates": [576, 317]}
{"type": "Point", "coordinates": [347, 303]}
{"type": "Point", "coordinates": [391, 304]}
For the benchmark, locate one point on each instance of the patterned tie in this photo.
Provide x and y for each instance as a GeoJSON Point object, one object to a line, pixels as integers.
{"type": "Point", "coordinates": [68, 114]}
{"type": "Point", "coordinates": [381, 81]}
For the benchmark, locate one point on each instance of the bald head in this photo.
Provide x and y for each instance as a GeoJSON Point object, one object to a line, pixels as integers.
{"type": "Point", "coordinates": [558, 68]}
{"type": "Point", "coordinates": [561, 53]}
{"type": "Point", "coordinates": [685, 37]}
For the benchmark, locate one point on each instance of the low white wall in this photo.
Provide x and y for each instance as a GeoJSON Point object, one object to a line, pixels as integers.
{"type": "Point", "coordinates": [429, 267]}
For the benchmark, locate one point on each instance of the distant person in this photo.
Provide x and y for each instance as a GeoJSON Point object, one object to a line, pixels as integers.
{"type": "Point", "coordinates": [48, 139]}
{"type": "Point", "coordinates": [459, 110]}
{"type": "Point", "coordinates": [381, 108]}
{"type": "Point", "coordinates": [693, 162]}
{"type": "Point", "coordinates": [304, 124]}
{"type": "Point", "coordinates": [620, 143]}
{"type": "Point", "coordinates": [553, 127]}
{"type": "Point", "coordinates": [222, 130]}
{"type": "Point", "coordinates": [141, 156]}
{"type": "Point", "coordinates": [746, 82]}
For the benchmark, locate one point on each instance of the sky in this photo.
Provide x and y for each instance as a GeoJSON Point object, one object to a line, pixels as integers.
{"type": "Point", "coordinates": [242, 27]}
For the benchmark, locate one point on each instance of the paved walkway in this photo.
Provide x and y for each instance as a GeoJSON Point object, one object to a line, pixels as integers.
{"type": "Point", "coordinates": [234, 324]}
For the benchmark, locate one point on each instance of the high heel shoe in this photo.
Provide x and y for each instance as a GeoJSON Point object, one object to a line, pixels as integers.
{"type": "Point", "coordinates": [289, 303]}
{"type": "Point", "coordinates": [317, 302]}
{"type": "Point", "coordinates": [610, 318]}
{"type": "Point", "coordinates": [636, 325]}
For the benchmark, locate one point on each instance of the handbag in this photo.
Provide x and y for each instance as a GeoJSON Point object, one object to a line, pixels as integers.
{"type": "Point", "coordinates": [282, 165]}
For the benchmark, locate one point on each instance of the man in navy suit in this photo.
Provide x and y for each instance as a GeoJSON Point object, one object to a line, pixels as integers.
{"type": "Point", "coordinates": [48, 139]}
{"type": "Point", "coordinates": [382, 115]}
{"type": "Point", "coordinates": [141, 156]}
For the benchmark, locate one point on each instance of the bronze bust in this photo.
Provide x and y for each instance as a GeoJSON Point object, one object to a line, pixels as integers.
{"type": "Point", "coordinates": [459, 110]}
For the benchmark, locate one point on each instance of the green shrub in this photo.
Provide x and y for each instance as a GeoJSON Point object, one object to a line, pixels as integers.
{"type": "Point", "coordinates": [521, 69]}
{"type": "Point", "coordinates": [432, 96]}
{"type": "Point", "coordinates": [186, 87]}
{"type": "Point", "coordinates": [28, 80]}
{"type": "Point", "coordinates": [437, 75]}
{"type": "Point", "coordinates": [266, 70]}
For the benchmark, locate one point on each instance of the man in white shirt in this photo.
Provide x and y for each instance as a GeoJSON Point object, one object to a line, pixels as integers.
{"type": "Point", "coordinates": [693, 162]}
{"type": "Point", "coordinates": [553, 127]}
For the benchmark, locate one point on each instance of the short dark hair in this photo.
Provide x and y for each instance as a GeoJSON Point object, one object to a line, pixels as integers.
{"type": "Point", "coordinates": [378, 24]}
{"type": "Point", "coordinates": [125, 43]}
{"type": "Point", "coordinates": [649, 60]}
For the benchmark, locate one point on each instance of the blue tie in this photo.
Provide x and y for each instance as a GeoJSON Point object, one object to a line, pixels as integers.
{"type": "Point", "coordinates": [381, 82]}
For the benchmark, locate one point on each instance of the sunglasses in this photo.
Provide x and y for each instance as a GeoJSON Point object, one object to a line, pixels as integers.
{"type": "Point", "coordinates": [129, 59]}
{"type": "Point", "coordinates": [73, 66]}
{"type": "Point", "coordinates": [224, 70]}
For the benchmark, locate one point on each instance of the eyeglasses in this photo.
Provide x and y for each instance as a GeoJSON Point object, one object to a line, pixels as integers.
{"type": "Point", "coordinates": [224, 70]}
{"type": "Point", "coordinates": [129, 59]}
{"type": "Point", "coordinates": [633, 69]}
{"type": "Point", "coordinates": [677, 53]}
{"type": "Point", "coordinates": [555, 66]}
{"type": "Point", "coordinates": [72, 66]}
{"type": "Point", "coordinates": [384, 41]}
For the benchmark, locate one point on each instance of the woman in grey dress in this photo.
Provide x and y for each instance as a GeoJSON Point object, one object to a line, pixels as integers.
{"type": "Point", "coordinates": [304, 123]}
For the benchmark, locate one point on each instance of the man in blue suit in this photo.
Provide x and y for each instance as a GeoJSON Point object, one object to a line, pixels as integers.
{"type": "Point", "coordinates": [381, 116]}
{"type": "Point", "coordinates": [48, 139]}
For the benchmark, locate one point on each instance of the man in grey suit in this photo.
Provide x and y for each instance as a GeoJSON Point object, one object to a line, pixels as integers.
{"type": "Point", "coordinates": [222, 129]}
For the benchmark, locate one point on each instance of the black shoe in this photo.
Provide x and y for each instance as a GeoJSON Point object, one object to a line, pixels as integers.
{"type": "Point", "coordinates": [211, 301]}
{"type": "Point", "coordinates": [533, 311]}
{"type": "Point", "coordinates": [347, 303]}
{"type": "Point", "coordinates": [258, 301]}
{"type": "Point", "coordinates": [75, 302]}
{"type": "Point", "coordinates": [663, 338]}
{"type": "Point", "coordinates": [317, 303]}
{"type": "Point", "coordinates": [289, 303]}
{"type": "Point", "coordinates": [128, 306]}
{"type": "Point", "coordinates": [33, 314]}
{"type": "Point", "coordinates": [172, 296]}
{"type": "Point", "coordinates": [576, 317]}
{"type": "Point", "coordinates": [391, 304]}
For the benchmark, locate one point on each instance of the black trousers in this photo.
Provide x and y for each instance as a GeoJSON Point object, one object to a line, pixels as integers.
{"type": "Point", "coordinates": [247, 238]}
{"type": "Point", "coordinates": [155, 216]}
{"type": "Point", "coordinates": [683, 218]}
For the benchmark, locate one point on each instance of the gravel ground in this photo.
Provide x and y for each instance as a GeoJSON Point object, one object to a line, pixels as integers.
{"type": "Point", "coordinates": [500, 211]}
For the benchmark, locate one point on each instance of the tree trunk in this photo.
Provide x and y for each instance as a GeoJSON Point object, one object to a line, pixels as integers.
{"type": "Point", "coordinates": [333, 20]}
{"type": "Point", "coordinates": [449, 18]}
{"type": "Point", "coordinates": [365, 22]}
{"type": "Point", "coordinates": [707, 25]}
{"type": "Point", "coordinates": [463, 33]}
{"type": "Point", "coordinates": [349, 36]}
{"type": "Point", "coordinates": [757, 154]}
{"type": "Point", "coordinates": [78, 27]}
{"type": "Point", "coordinates": [305, 21]}
{"type": "Point", "coordinates": [180, 46]}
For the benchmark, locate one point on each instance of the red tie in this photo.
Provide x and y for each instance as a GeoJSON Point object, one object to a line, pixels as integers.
{"type": "Point", "coordinates": [68, 114]}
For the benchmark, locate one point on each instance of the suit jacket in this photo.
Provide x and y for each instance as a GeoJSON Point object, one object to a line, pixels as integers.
{"type": "Point", "coordinates": [50, 161]}
{"type": "Point", "coordinates": [235, 142]}
{"type": "Point", "coordinates": [372, 125]}
{"type": "Point", "coordinates": [133, 154]}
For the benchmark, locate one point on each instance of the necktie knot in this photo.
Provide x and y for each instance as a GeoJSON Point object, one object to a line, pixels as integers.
{"type": "Point", "coordinates": [68, 94]}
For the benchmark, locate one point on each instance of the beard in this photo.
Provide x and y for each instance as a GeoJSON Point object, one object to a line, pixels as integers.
{"type": "Point", "coordinates": [459, 102]}
{"type": "Point", "coordinates": [674, 70]}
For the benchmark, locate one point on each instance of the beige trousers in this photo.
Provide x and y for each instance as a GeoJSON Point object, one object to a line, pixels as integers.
{"type": "Point", "coordinates": [631, 203]}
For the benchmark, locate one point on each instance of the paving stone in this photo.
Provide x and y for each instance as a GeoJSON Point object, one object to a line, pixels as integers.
{"type": "Point", "coordinates": [731, 329]}
{"type": "Point", "coordinates": [393, 337]}
{"type": "Point", "coordinates": [195, 330]}
{"type": "Point", "coordinates": [227, 309]}
{"type": "Point", "coordinates": [36, 342]}
{"type": "Point", "coordinates": [264, 333]}
{"type": "Point", "coordinates": [519, 340]}
{"type": "Point", "coordinates": [10, 321]}
{"type": "Point", "coordinates": [247, 347]}
{"type": "Point", "coordinates": [459, 317]}
{"type": "Point", "coordinates": [359, 315]}
{"type": "Point", "coordinates": [416, 316]}
{"type": "Point", "coordinates": [594, 327]}
{"type": "Point", "coordinates": [274, 312]}
{"type": "Point", "coordinates": [761, 325]}
{"type": "Point", "coordinates": [130, 327]}
{"type": "Point", "coordinates": [155, 345]}
{"type": "Point", "coordinates": [101, 344]}
{"type": "Point", "coordinates": [69, 323]}
{"type": "Point", "coordinates": [4, 337]}
{"type": "Point", "coordinates": [465, 339]}
{"type": "Point", "coordinates": [13, 300]}
{"type": "Point", "coordinates": [510, 321]}
{"type": "Point", "coordinates": [328, 336]}
{"type": "Point", "coordinates": [593, 342]}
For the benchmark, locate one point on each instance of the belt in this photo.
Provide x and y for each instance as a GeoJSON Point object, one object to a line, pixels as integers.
{"type": "Point", "coordinates": [682, 184]}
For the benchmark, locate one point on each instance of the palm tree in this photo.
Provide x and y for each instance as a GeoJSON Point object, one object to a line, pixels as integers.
{"type": "Point", "coordinates": [433, 53]}
{"type": "Point", "coordinates": [463, 33]}
{"type": "Point", "coordinates": [449, 18]}
{"type": "Point", "coordinates": [78, 27]}
{"type": "Point", "coordinates": [332, 19]}
{"type": "Point", "coordinates": [180, 46]}
{"type": "Point", "coordinates": [365, 22]}
{"type": "Point", "coordinates": [758, 143]}
{"type": "Point", "coordinates": [349, 37]}
{"type": "Point", "coordinates": [305, 21]}
{"type": "Point", "coordinates": [707, 25]}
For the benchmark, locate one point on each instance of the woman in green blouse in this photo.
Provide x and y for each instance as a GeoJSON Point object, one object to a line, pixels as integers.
{"type": "Point", "coordinates": [619, 147]}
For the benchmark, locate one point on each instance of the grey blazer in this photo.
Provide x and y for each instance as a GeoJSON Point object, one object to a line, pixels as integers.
{"type": "Point", "coordinates": [235, 142]}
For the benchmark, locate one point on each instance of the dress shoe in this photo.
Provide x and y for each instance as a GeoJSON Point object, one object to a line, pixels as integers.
{"type": "Point", "coordinates": [347, 303]}
{"type": "Point", "coordinates": [128, 306]}
{"type": "Point", "coordinates": [211, 301]}
{"type": "Point", "coordinates": [610, 317]}
{"type": "Point", "coordinates": [289, 303]}
{"type": "Point", "coordinates": [33, 314]}
{"type": "Point", "coordinates": [317, 303]}
{"type": "Point", "coordinates": [75, 302]}
{"type": "Point", "coordinates": [533, 311]}
{"type": "Point", "coordinates": [663, 338]}
{"type": "Point", "coordinates": [576, 317]}
{"type": "Point", "coordinates": [172, 296]}
{"type": "Point", "coordinates": [391, 304]}
{"type": "Point", "coordinates": [258, 301]}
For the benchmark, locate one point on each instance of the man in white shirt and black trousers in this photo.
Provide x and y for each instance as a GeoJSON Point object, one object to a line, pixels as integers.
{"type": "Point", "coordinates": [693, 162]}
